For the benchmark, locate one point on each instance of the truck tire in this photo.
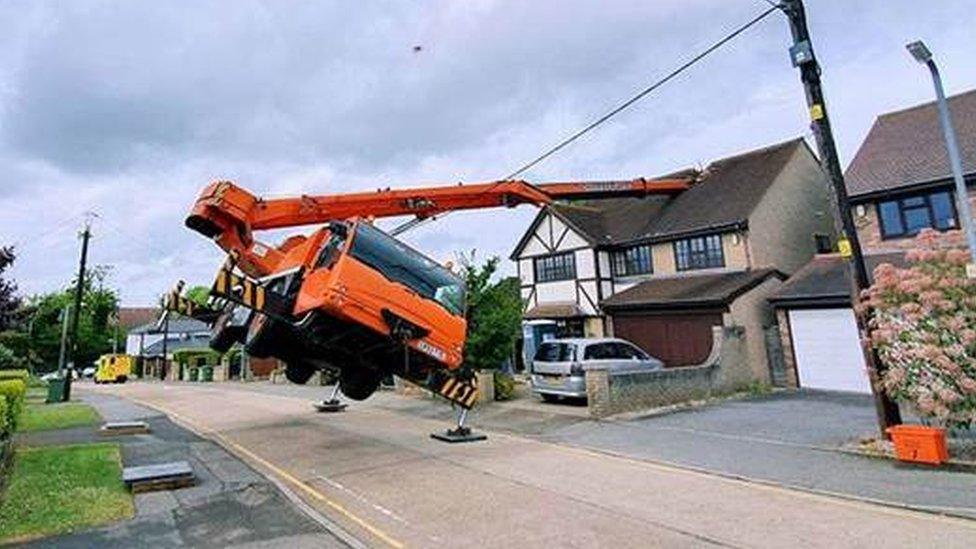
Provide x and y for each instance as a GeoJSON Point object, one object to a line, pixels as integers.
{"type": "Point", "coordinates": [266, 338]}
{"type": "Point", "coordinates": [358, 381]}
{"type": "Point", "coordinates": [299, 372]}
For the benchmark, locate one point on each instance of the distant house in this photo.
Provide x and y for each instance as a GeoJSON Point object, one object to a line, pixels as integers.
{"type": "Point", "coordinates": [133, 317]}
{"type": "Point", "coordinates": [147, 339]}
{"type": "Point", "coordinates": [900, 182]}
{"type": "Point", "coordinates": [663, 271]}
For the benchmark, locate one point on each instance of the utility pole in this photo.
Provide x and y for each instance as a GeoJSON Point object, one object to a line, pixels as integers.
{"type": "Point", "coordinates": [76, 316]}
{"type": "Point", "coordinates": [163, 368]}
{"type": "Point", "coordinates": [65, 316]}
{"type": "Point", "coordinates": [803, 58]}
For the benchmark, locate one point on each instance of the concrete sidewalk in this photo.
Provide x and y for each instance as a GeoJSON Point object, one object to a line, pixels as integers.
{"type": "Point", "coordinates": [375, 471]}
{"type": "Point", "coordinates": [230, 506]}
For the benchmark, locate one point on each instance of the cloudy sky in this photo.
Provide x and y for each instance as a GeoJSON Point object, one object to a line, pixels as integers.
{"type": "Point", "coordinates": [128, 108]}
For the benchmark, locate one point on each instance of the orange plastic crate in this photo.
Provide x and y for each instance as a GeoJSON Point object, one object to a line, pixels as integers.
{"type": "Point", "coordinates": [919, 444]}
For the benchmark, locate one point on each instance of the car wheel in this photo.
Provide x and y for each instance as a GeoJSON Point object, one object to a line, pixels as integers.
{"type": "Point", "coordinates": [298, 372]}
{"type": "Point", "coordinates": [358, 381]}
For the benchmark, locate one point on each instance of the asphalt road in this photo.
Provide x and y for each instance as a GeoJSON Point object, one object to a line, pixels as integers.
{"type": "Point", "coordinates": [375, 471]}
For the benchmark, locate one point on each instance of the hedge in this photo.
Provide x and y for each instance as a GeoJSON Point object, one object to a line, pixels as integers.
{"type": "Point", "coordinates": [13, 391]}
{"type": "Point", "coordinates": [22, 375]}
{"type": "Point", "coordinates": [4, 422]}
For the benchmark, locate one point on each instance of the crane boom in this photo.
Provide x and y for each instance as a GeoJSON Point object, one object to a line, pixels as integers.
{"type": "Point", "coordinates": [229, 213]}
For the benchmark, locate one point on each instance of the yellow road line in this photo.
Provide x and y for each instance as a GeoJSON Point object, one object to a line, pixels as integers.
{"type": "Point", "coordinates": [380, 534]}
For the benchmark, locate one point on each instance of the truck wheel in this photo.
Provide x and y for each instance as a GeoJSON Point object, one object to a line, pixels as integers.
{"type": "Point", "coordinates": [266, 338]}
{"type": "Point", "coordinates": [298, 372]}
{"type": "Point", "coordinates": [358, 381]}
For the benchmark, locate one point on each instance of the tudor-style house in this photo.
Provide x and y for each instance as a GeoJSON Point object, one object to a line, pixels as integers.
{"type": "Point", "coordinates": [662, 271]}
{"type": "Point", "coordinates": [900, 182]}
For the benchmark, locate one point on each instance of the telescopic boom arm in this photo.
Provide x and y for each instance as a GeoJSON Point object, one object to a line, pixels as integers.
{"type": "Point", "coordinates": [229, 214]}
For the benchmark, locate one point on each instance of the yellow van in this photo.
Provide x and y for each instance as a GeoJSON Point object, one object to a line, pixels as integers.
{"type": "Point", "coordinates": [113, 369]}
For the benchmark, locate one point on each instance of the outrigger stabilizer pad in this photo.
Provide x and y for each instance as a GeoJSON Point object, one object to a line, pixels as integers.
{"type": "Point", "coordinates": [332, 404]}
{"type": "Point", "coordinates": [461, 433]}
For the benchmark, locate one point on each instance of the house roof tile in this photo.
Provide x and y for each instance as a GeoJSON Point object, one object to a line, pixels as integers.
{"type": "Point", "coordinates": [691, 290]}
{"type": "Point", "coordinates": [725, 195]}
{"type": "Point", "coordinates": [907, 148]}
{"type": "Point", "coordinates": [826, 280]}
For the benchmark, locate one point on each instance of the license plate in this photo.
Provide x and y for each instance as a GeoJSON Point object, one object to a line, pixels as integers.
{"type": "Point", "coordinates": [554, 381]}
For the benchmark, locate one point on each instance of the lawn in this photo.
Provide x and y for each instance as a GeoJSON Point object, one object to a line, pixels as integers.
{"type": "Point", "coordinates": [59, 489]}
{"type": "Point", "coordinates": [41, 417]}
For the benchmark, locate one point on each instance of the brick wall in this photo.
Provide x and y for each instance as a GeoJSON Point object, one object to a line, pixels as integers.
{"type": "Point", "coordinates": [786, 339]}
{"type": "Point", "coordinates": [614, 392]}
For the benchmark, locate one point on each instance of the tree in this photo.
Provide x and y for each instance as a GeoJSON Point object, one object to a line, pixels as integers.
{"type": "Point", "coordinates": [198, 294]}
{"type": "Point", "coordinates": [494, 314]}
{"type": "Point", "coordinates": [9, 302]}
{"type": "Point", "coordinates": [96, 329]}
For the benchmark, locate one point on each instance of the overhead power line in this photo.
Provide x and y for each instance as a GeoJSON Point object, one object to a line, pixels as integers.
{"type": "Point", "coordinates": [413, 223]}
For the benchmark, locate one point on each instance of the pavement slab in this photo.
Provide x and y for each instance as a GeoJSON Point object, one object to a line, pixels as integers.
{"type": "Point", "coordinates": [374, 471]}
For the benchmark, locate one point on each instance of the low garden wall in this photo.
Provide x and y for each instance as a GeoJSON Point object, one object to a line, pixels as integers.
{"type": "Point", "coordinates": [613, 392]}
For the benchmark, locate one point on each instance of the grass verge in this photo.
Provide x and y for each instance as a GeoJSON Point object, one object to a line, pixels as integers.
{"type": "Point", "coordinates": [41, 417]}
{"type": "Point", "coordinates": [54, 490]}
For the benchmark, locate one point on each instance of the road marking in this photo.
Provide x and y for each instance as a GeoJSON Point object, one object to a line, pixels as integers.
{"type": "Point", "coordinates": [338, 507]}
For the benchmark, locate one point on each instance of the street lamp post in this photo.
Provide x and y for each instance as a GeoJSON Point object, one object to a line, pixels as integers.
{"type": "Point", "coordinates": [922, 54]}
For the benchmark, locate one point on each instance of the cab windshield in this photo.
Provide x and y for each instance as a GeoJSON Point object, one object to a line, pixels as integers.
{"type": "Point", "coordinates": [402, 264]}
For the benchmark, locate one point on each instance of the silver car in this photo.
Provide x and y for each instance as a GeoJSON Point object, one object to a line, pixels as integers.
{"type": "Point", "coordinates": [559, 367]}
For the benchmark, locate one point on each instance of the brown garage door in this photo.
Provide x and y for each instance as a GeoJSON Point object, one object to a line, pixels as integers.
{"type": "Point", "coordinates": [677, 339]}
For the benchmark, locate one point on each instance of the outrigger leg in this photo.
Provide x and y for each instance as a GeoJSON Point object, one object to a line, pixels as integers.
{"type": "Point", "coordinates": [461, 433]}
{"type": "Point", "coordinates": [332, 404]}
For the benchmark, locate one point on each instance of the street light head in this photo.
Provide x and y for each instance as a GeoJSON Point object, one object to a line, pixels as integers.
{"type": "Point", "coordinates": [919, 51]}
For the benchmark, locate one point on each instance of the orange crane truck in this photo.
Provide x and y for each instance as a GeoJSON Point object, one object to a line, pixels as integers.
{"type": "Point", "coordinates": [348, 296]}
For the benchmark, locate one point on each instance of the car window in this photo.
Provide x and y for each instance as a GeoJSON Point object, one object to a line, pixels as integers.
{"type": "Point", "coordinates": [599, 351]}
{"type": "Point", "coordinates": [628, 351]}
{"type": "Point", "coordinates": [555, 352]}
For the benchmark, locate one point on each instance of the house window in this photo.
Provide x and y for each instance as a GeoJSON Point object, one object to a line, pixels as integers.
{"type": "Point", "coordinates": [635, 260]}
{"type": "Point", "coordinates": [907, 216]}
{"type": "Point", "coordinates": [703, 252]}
{"type": "Point", "coordinates": [555, 267]}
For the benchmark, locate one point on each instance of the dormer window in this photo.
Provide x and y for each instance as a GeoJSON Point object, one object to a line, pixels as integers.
{"type": "Point", "coordinates": [906, 216]}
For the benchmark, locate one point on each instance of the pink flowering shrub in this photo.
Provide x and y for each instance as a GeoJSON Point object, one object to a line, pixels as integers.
{"type": "Point", "coordinates": [923, 324]}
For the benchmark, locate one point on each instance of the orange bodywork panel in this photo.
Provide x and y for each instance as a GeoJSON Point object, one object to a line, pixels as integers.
{"type": "Point", "coordinates": [354, 292]}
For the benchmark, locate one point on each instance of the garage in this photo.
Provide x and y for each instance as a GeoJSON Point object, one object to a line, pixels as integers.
{"type": "Point", "coordinates": [677, 339]}
{"type": "Point", "coordinates": [817, 330]}
{"type": "Point", "coordinates": [827, 350]}
{"type": "Point", "coordinates": [673, 318]}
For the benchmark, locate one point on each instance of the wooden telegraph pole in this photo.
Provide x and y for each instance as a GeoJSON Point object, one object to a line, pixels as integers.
{"type": "Point", "coordinates": [803, 58]}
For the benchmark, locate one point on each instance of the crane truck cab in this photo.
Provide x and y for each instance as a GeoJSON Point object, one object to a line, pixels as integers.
{"type": "Point", "coordinates": [359, 301]}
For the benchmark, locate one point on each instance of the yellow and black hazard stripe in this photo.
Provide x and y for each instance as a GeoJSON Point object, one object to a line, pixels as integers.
{"type": "Point", "coordinates": [250, 293]}
{"type": "Point", "coordinates": [463, 392]}
{"type": "Point", "coordinates": [240, 289]}
{"type": "Point", "coordinates": [187, 307]}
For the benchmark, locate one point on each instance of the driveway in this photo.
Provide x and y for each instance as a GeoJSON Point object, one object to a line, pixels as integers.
{"type": "Point", "coordinates": [784, 438]}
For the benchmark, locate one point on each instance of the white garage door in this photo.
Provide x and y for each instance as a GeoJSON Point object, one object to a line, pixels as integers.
{"type": "Point", "coordinates": [827, 349]}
